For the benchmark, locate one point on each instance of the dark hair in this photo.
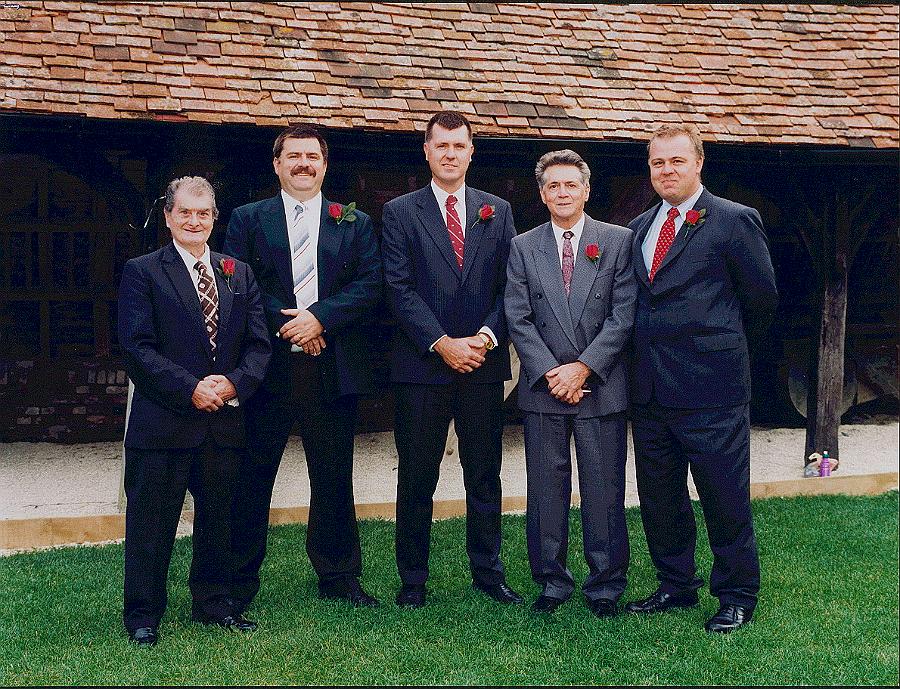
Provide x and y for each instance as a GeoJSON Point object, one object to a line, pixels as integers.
{"type": "Point", "coordinates": [670, 131]}
{"type": "Point", "coordinates": [300, 131]}
{"type": "Point", "coordinates": [448, 119]}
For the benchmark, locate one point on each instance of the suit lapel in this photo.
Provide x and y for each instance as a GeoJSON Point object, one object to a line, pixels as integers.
{"type": "Point", "coordinates": [177, 273]}
{"type": "Point", "coordinates": [685, 234]}
{"type": "Point", "coordinates": [331, 236]}
{"type": "Point", "coordinates": [474, 231]}
{"type": "Point", "coordinates": [550, 273]}
{"type": "Point", "coordinates": [637, 254]}
{"type": "Point", "coordinates": [226, 294]}
{"type": "Point", "coordinates": [274, 227]}
{"type": "Point", "coordinates": [585, 269]}
{"type": "Point", "coordinates": [433, 221]}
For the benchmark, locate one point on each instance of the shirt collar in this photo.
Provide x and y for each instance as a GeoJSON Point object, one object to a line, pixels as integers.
{"type": "Point", "coordinates": [190, 260]}
{"type": "Point", "coordinates": [685, 205]}
{"type": "Point", "coordinates": [442, 195]}
{"type": "Point", "coordinates": [311, 208]}
{"type": "Point", "coordinates": [576, 229]}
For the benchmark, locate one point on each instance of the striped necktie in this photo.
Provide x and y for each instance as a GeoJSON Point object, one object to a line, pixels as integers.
{"type": "Point", "coordinates": [303, 261]}
{"type": "Point", "coordinates": [209, 302]}
{"type": "Point", "coordinates": [454, 227]}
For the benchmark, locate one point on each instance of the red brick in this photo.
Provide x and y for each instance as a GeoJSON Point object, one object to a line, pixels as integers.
{"type": "Point", "coordinates": [111, 53]}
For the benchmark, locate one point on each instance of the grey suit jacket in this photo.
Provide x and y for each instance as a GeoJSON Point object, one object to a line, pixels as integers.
{"type": "Point", "coordinates": [592, 325]}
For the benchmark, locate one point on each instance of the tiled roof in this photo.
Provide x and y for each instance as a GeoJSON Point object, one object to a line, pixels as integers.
{"type": "Point", "coordinates": [786, 74]}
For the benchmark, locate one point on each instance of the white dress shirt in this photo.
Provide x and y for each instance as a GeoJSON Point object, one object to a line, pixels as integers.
{"type": "Point", "coordinates": [648, 248]}
{"type": "Point", "coordinates": [460, 195]}
{"type": "Point", "coordinates": [190, 261]}
{"type": "Point", "coordinates": [577, 229]}
{"type": "Point", "coordinates": [312, 211]}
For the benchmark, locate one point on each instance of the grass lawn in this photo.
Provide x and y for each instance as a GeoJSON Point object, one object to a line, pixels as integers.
{"type": "Point", "coordinates": [828, 615]}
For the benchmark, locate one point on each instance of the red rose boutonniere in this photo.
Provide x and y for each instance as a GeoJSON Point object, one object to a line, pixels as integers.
{"type": "Point", "coordinates": [341, 213]}
{"type": "Point", "coordinates": [226, 266]}
{"type": "Point", "coordinates": [694, 218]}
{"type": "Point", "coordinates": [592, 252]}
{"type": "Point", "coordinates": [485, 213]}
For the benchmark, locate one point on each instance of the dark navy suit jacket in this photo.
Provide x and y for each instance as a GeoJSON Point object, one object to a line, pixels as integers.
{"type": "Point", "coordinates": [348, 266]}
{"type": "Point", "coordinates": [429, 294]}
{"type": "Point", "coordinates": [167, 351]}
{"type": "Point", "coordinates": [715, 286]}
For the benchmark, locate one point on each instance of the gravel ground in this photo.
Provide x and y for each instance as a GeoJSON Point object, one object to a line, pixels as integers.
{"type": "Point", "coordinates": [45, 479]}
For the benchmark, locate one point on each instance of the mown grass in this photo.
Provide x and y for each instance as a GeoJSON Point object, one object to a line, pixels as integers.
{"type": "Point", "coordinates": [828, 615]}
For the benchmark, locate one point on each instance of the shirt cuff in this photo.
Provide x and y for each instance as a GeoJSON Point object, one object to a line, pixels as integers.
{"type": "Point", "coordinates": [431, 348]}
{"type": "Point", "coordinates": [490, 333]}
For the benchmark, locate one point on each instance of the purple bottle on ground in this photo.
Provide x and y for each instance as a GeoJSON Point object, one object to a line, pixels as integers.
{"type": "Point", "coordinates": [825, 465]}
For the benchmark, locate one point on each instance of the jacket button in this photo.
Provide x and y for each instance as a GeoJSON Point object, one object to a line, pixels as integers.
{"type": "Point", "coordinates": [598, 295]}
{"type": "Point", "coordinates": [543, 324]}
{"type": "Point", "coordinates": [539, 295]}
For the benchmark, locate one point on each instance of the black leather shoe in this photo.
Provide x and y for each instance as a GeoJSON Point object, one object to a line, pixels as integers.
{"type": "Point", "coordinates": [500, 593]}
{"type": "Point", "coordinates": [729, 618]}
{"type": "Point", "coordinates": [411, 597]}
{"type": "Point", "coordinates": [144, 636]}
{"type": "Point", "coordinates": [546, 604]}
{"type": "Point", "coordinates": [233, 622]}
{"type": "Point", "coordinates": [349, 590]}
{"type": "Point", "coordinates": [660, 601]}
{"type": "Point", "coordinates": [603, 607]}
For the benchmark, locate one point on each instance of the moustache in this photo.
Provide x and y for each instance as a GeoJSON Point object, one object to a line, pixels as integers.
{"type": "Point", "coordinates": [301, 169]}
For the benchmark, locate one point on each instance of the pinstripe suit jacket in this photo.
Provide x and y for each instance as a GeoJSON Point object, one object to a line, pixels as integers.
{"type": "Point", "coordinates": [428, 293]}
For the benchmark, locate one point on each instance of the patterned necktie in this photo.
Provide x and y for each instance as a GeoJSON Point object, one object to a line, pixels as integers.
{"type": "Point", "coordinates": [568, 260]}
{"type": "Point", "coordinates": [209, 302]}
{"type": "Point", "coordinates": [303, 262]}
{"type": "Point", "coordinates": [454, 227]}
{"type": "Point", "coordinates": [664, 241]}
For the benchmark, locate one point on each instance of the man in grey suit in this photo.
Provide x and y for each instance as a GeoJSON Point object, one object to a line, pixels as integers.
{"type": "Point", "coordinates": [570, 300]}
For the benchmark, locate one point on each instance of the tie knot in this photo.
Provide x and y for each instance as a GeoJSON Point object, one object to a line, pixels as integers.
{"type": "Point", "coordinates": [568, 234]}
{"type": "Point", "coordinates": [200, 267]}
{"type": "Point", "coordinates": [673, 213]}
{"type": "Point", "coordinates": [451, 201]}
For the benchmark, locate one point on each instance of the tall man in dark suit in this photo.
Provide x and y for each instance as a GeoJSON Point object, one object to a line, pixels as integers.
{"type": "Point", "coordinates": [193, 335]}
{"type": "Point", "coordinates": [319, 270]}
{"type": "Point", "coordinates": [445, 249]}
{"type": "Point", "coordinates": [705, 283]}
{"type": "Point", "coordinates": [570, 296]}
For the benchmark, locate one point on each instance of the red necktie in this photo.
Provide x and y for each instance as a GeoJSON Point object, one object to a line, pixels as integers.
{"type": "Point", "coordinates": [454, 227]}
{"type": "Point", "coordinates": [664, 241]}
{"type": "Point", "coordinates": [568, 260]}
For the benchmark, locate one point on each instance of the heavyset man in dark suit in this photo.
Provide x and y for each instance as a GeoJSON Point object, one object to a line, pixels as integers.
{"type": "Point", "coordinates": [318, 266]}
{"type": "Point", "coordinates": [705, 282]}
{"type": "Point", "coordinates": [570, 296]}
{"type": "Point", "coordinates": [194, 340]}
{"type": "Point", "coordinates": [445, 249]}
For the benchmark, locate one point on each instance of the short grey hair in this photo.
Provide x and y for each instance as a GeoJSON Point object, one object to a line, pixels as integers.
{"type": "Point", "coordinates": [563, 157]}
{"type": "Point", "coordinates": [194, 185]}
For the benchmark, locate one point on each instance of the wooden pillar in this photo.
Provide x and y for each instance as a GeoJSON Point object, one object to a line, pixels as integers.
{"type": "Point", "coordinates": [832, 236]}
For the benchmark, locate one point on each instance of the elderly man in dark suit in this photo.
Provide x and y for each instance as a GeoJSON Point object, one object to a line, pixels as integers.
{"type": "Point", "coordinates": [570, 296]}
{"type": "Point", "coordinates": [705, 282]}
{"type": "Point", "coordinates": [319, 269]}
{"type": "Point", "coordinates": [194, 339]}
{"type": "Point", "coordinates": [445, 249]}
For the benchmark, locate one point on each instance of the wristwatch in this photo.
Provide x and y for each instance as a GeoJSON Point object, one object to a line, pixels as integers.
{"type": "Point", "coordinates": [488, 342]}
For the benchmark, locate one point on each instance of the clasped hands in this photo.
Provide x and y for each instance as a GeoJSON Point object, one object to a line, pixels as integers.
{"type": "Point", "coordinates": [213, 392]}
{"type": "Point", "coordinates": [303, 330]}
{"type": "Point", "coordinates": [462, 354]}
{"type": "Point", "coordinates": [566, 382]}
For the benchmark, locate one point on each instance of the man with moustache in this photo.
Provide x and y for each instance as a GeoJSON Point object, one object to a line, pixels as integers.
{"type": "Point", "coordinates": [194, 341]}
{"type": "Point", "coordinates": [318, 266]}
{"type": "Point", "coordinates": [570, 295]}
{"type": "Point", "coordinates": [705, 283]}
{"type": "Point", "coordinates": [445, 250]}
